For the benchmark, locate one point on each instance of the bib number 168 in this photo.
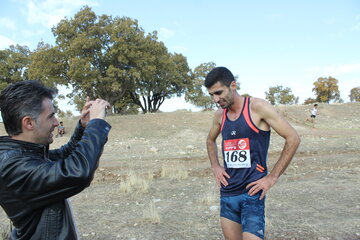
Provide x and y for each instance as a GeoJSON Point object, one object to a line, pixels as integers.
{"type": "Point", "coordinates": [234, 156]}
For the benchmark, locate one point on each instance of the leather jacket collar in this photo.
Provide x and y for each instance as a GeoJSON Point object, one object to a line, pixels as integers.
{"type": "Point", "coordinates": [7, 143]}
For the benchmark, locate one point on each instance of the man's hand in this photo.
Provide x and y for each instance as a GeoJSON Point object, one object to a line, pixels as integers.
{"type": "Point", "coordinates": [93, 109]}
{"type": "Point", "coordinates": [220, 174]}
{"type": "Point", "coordinates": [263, 184]}
{"type": "Point", "coordinates": [98, 109]}
{"type": "Point", "coordinates": [85, 116]}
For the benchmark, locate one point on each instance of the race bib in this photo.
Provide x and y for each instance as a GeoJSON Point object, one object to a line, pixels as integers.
{"type": "Point", "coordinates": [237, 153]}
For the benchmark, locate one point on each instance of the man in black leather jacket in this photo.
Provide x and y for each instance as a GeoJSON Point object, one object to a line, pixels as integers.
{"type": "Point", "coordinates": [35, 182]}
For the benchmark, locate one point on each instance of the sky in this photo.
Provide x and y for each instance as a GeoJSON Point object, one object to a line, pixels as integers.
{"type": "Point", "coordinates": [265, 43]}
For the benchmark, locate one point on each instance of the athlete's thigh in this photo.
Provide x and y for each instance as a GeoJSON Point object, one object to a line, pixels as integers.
{"type": "Point", "coordinates": [253, 217]}
{"type": "Point", "coordinates": [232, 230]}
{"type": "Point", "coordinates": [250, 236]}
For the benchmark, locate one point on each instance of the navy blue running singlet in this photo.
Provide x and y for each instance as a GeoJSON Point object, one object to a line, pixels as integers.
{"type": "Point", "coordinates": [245, 149]}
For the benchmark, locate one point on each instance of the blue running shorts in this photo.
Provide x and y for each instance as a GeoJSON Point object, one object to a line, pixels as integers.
{"type": "Point", "coordinates": [249, 211]}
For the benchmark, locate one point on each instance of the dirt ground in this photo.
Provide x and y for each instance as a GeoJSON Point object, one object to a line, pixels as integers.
{"type": "Point", "coordinates": [318, 196]}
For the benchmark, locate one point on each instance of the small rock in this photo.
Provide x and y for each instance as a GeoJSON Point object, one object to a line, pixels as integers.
{"type": "Point", "coordinates": [153, 149]}
{"type": "Point", "coordinates": [214, 208]}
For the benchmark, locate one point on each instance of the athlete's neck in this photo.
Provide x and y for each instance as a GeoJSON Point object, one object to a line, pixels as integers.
{"type": "Point", "coordinates": [237, 105]}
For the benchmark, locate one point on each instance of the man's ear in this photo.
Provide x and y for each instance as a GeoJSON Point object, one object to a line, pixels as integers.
{"type": "Point", "coordinates": [28, 123]}
{"type": "Point", "coordinates": [233, 85]}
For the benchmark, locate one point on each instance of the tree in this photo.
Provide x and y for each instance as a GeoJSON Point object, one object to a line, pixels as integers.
{"type": "Point", "coordinates": [48, 65]}
{"type": "Point", "coordinates": [355, 94]}
{"type": "Point", "coordinates": [14, 63]}
{"type": "Point", "coordinates": [111, 58]}
{"type": "Point", "coordinates": [197, 94]}
{"type": "Point", "coordinates": [309, 101]}
{"type": "Point", "coordinates": [326, 89]}
{"type": "Point", "coordinates": [161, 75]}
{"type": "Point", "coordinates": [280, 95]}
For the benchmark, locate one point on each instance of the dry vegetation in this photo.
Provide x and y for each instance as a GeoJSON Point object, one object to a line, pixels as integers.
{"type": "Point", "coordinates": [154, 180]}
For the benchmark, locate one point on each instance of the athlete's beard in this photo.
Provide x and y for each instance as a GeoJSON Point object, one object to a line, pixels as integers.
{"type": "Point", "coordinates": [229, 99]}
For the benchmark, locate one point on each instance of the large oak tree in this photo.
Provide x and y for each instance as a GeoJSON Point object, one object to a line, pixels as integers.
{"type": "Point", "coordinates": [111, 58]}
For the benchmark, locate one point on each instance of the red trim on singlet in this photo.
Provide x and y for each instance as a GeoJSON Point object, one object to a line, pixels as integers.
{"type": "Point", "coordinates": [247, 116]}
{"type": "Point", "coordinates": [260, 168]}
{"type": "Point", "coordinates": [223, 119]}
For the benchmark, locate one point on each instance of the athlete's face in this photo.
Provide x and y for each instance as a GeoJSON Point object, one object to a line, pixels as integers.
{"type": "Point", "coordinates": [222, 95]}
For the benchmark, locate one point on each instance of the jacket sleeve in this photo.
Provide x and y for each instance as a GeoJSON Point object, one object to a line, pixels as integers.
{"type": "Point", "coordinates": [39, 182]}
{"type": "Point", "coordinates": [65, 150]}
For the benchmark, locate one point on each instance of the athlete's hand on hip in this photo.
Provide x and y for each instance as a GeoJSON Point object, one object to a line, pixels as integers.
{"type": "Point", "coordinates": [263, 184]}
{"type": "Point", "coordinates": [220, 174]}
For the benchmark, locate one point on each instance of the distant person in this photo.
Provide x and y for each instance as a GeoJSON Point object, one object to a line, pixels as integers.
{"type": "Point", "coordinates": [313, 114]}
{"type": "Point", "coordinates": [245, 124]}
{"type": "Point", "coordinates": [35, 182]}
{"type": "Point", "coordinates": [61, 129]}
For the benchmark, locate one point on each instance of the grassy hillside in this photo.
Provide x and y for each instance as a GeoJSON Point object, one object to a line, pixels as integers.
{"type": "Point", "coordinates": [154, 180]}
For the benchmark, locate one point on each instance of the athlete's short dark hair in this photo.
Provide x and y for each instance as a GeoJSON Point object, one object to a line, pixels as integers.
{"type": "Point", "coordinates": [22, 99]}
{"type": "Point", "coordinates": [219, 74]}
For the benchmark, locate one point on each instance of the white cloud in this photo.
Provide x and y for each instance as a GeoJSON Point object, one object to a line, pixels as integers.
{"type": "Point", "coordinates": [334, 70]}
{"type": "Point", "coordinates": [31, 33]}
{"type": "Point", "coordinates": [5, 42]}
{"type": "Point", "coordinates": [7, 23]}
{"type": "Point", "coordinates": [50, 12]}
{"type": "Point", "coordinates": [177, 103]}
{"type": "Point", "coordinates": [346, 74]}
{"type": "Point", "coordinates": [180, 49]}
{"type": "Point", "coordinates": [165, 33]}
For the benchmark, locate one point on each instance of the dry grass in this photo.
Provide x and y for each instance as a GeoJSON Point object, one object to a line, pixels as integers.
{"type": "Point", "coordinates": [174, 170]}
{"type": "Point", "coordinates": [150, 214]}
{"type": "Point", "coordinates": [136, 184]}
{"type": "Point", "coordinates": [327, 160]}
{"type": "Point", "coordinates": [4, 235]}
{"type": "Point", "coordinates": [209, 198]}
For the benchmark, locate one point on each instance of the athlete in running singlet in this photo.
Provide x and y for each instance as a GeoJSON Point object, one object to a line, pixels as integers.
{"type": "Point", "coordinates": [313, 114]}
{"type": "Point", "coordinates": [245, 149]}
{"type": "Point", "coordinates": [244, 180]}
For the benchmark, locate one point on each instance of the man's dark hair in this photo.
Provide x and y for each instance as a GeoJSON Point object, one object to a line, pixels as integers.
{"type": "Point", "coordinates": [219, 74]}
{"type": "Point", "coordinates": [315, 105]}
{"type": "Point", "coordinates": [22, 99]}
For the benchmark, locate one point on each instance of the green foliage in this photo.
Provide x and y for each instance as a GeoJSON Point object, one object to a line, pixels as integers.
{"type": "Point", "coordinates": [14, 62]}
{"type": "Point", "coordinates": [326, 90]}
{"type": "Point", "coordinates": [355, 94]}
{"type": "Point", "coordinates": [197, 93]}
{"type": "Point", "coordinates": [61, 114]}
{"type": "Point", "coordinates": [280, 95]}
{"type": "Point", "coordinates": [161, 75]}
{"type": "Point", "coordinates": [113, 59]}
{"type": "Point", "coordinates": [48, 65]}
{"type": "Point", "coordinates": [309, 101]}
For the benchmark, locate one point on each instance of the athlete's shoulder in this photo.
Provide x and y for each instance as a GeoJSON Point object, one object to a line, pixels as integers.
{"type": "Point", "coordinates": [218, 114]}
{"type": "Point", "coordinates": [258, 104]}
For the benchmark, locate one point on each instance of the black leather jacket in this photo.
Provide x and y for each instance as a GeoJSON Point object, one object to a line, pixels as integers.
{"type": "Point", "coordinates": [35, 182]}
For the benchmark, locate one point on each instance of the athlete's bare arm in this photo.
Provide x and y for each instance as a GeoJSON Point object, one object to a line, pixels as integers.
{"type": "Point", "coordinates": [264, 113]}
{"type": "Point", "coordinates": [219, 171]}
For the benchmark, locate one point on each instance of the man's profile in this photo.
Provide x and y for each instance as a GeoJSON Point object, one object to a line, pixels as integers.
{"type": "Point", "coordinates": [35, 182]}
